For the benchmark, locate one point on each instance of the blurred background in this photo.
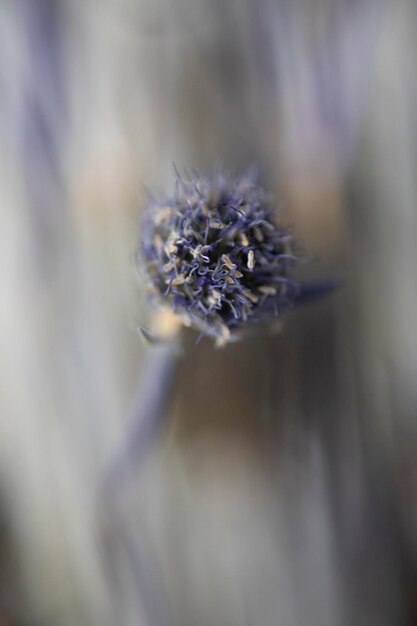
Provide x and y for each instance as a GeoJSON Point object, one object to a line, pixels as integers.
{"type": "Point", "coordinates": [281, 488]}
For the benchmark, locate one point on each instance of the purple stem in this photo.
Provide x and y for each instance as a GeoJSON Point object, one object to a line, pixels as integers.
{"type": "Point", "coordinates": [154, 394]}
{"type": "Point", "coordinates": [309, 292]}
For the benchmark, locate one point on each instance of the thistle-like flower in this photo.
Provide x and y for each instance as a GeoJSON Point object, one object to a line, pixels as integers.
{"type": "Point", "coordinates": [214, 253]}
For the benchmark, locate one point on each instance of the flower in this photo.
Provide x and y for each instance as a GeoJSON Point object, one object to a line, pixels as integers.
{"type": "Point", "coordinates": [214, 253]}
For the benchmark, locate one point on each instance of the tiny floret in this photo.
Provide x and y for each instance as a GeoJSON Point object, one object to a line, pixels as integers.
{"type": "Point", "coordinates": [215, 253]}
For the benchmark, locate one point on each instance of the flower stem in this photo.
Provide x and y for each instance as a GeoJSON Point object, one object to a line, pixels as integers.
{"type": "Point", "coordinates": [154, 394]}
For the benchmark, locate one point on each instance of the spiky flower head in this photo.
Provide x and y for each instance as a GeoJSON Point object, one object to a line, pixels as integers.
{"type": "Point", "coordinates": [215, 254]}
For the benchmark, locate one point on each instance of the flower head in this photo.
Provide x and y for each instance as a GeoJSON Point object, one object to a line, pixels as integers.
{"type": "Point", "coordinates": [215, 254]}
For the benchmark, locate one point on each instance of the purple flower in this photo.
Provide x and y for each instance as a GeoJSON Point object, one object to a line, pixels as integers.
{"type": "Point", "coordinates": [215, 254]}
